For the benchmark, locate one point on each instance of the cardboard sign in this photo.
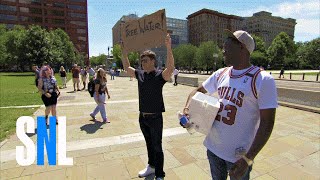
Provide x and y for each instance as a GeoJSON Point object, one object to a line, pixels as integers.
{"type": "Point", "coordinates": [145, 33]}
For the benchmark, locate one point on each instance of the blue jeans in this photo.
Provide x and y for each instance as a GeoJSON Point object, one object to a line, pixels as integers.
{"type": "Point", "coordinates": [100, 106]}
{"type": "Point", "coordinates": [219, 168]}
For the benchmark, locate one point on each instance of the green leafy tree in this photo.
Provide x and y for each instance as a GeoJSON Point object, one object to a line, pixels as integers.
{"type": "Point", "coordinates": [117, 54]}
{"type": "Point", "coordinates": [260, 44]}
{"type": "Point", "coordinates": [15, 47]}
{"type": "Point", "coordinates": [37, 46]}
{"type": "Point", "coordinates": [63, 50]}
{"type": "Point", "coordinates": [98, 60]}
{"type": "Point", "coordinates": [259, 59]}
{"type": "Point", "coordinates": [184, 55]}
{"type": "Point", "coordinates": [133, 58]}
{"type": "Point", "coordinates": [3, 49]}
{"type": "Point", "coordinates": [308, 54]}
{"type": "Point", "coordinates": [204, 56]}
{"type": "Point", "coordinates": [259, 55]}
{"type": "Point", "coordinates": [281, 49]}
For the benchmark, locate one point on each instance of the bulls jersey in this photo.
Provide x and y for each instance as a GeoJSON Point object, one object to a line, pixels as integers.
{"type": "Point", "coordinates": [241, 93]}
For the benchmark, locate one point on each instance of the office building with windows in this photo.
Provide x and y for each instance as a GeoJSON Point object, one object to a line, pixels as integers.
{"type": "Point", "coordinates": [266, 26]}
{"type": "Point", "coordinates": [208, 25]}
{"type": "Point", "coordinates": [69, 15]}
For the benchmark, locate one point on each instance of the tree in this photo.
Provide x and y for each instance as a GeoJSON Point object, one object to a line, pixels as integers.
{"type": "Point", "coordinates": [308, 53]}
{"type": "Point", "coordinates": [281, 50]}
{"type": "Point", "coordinates": [98, 60]}
{"type": "Point", "coordinates": [260, 44]}
{"type": "Point", "coordinates": [184, 55]}
{"type": "Point", "coordinates": [37, 46]}
{"type": "Point", "coordinates": [3, 49]}
{"type": "Point", "coordinates": [259, 55]}
{"type": "Point", "coordinates": [133, 58]}
{"type": "Point", "coordinates": [63, 50]}
{"type": "Point", "coordinates": [117, 54]}
{"type": "Point", "coordinates": [15, 47]}
{"type": "Point", "coordinates": [259, 59]}
{"type": "Point", "coordinates": [204, 55]}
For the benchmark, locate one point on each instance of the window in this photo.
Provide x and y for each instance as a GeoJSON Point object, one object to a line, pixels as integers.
{"type": "Point", "coordinates": [58, 21]}
{"type": "Point", "coordinates": [25, 1]}
{"type": "Point", "coordinates": [7, 8]}
{"type": "Point", "coordinates": [35, 10]}
{"type": "Point", "coordinates": [36, 2]}
{"type": "Point", "coordinates": [77, 15]}
{"type": "Point", "coordinates": [79, 23]}
{"type": "Point", "coordinates": [10, 0]}
{"type": "Point", "coordinates": [81, 31]}
{"type": "Point", "coordinates": [76, 7]}
{"type": "Point", "coordinates": [80, 38]}
{"type": "Point", "coordinates": [8, 17]}
{"type": "Point", "coordinates": [58, 4]}
{"type": "Point", "coordinates": [24, 9]}
{"type": "Point", "coordinates": [77, 0]}
{"type": "Point", "coordinates": [35, 19]}
{"type": "Point", "coordinates": [57, 13]}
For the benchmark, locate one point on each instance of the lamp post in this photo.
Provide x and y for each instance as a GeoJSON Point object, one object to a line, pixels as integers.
{"type": "Point", "coordinates": [215, 57]}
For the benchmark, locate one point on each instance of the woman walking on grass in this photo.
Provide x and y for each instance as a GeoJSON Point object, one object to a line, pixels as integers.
{"type": "Point", "coordinates": [47, 86]}
{"type": "Point", "coordinates": [99, 95]}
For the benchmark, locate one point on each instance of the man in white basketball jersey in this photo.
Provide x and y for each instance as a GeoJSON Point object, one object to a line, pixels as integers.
{"type": "Point", "coordinates": [248, 102]}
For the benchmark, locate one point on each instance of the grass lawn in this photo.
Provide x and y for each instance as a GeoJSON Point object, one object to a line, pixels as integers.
{"type": "Point", "coordinates": [17, 89]}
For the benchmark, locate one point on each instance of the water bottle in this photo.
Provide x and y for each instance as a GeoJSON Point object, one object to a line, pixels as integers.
{"type": "Point", "coordinates": [186, 123]}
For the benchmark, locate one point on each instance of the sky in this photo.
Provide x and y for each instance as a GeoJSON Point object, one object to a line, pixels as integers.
{"type": "Point", "coordinates": [103, 15]}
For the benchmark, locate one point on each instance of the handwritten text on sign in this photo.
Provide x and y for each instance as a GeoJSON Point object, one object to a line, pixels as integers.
{"type": "Point", "coordinates": [146, 32]}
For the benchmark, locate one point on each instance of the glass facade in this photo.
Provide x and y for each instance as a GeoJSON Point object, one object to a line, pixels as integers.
{"type": "Point", "coordinates": [179, 28]}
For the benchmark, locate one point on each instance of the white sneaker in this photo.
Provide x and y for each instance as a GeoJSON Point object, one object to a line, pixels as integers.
{"type": "Point", "coordinates": [147, 171]}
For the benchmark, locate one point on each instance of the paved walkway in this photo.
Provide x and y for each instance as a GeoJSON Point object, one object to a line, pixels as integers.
{"type": "Point", "coordinates": [117, 150]}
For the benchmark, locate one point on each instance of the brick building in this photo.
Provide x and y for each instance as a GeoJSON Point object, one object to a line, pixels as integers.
{"type": "Point", "coordinates": [69, 15]}
{"type": "Point", "coordinates": [208, 25]}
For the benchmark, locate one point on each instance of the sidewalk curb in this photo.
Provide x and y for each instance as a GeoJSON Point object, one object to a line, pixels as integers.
{"type": "Point", "coordinates": [296, 80]}
{"type": "Point", "coordinates": [3, 142]}
{"type": "Point", "coordinates": [300, 107]}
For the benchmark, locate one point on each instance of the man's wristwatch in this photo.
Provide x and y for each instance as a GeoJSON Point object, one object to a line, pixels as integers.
{"type": "Point", "coordinates": [248, 161]}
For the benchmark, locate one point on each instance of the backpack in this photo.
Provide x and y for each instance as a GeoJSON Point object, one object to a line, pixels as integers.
{"type": "Point", "coordinates": [91, 87]}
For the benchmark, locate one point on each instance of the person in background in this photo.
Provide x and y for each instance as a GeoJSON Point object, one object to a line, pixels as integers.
{"type": "Point", "coordinates": [63, 76]}
{"type": "Point", "coordinates": [100, 95]}
{"type": "Point", "coordinates": [75, 77]}
{"type": "Point", "coordinates": [112, 72]}
{"type": "Point", "coordinates": [84, 76]}
{"type": "Point", "coordinates": [281, 73]}
{"type": "Point", "coordinates": [36, 74]}
{"type": "Point", "coordinates": [175, 75]}
{"type": "Point", "coordinates": [49, 91]}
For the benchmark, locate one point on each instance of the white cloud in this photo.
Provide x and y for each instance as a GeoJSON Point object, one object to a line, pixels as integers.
{"type": "Point", "coordinates": [305, 12]}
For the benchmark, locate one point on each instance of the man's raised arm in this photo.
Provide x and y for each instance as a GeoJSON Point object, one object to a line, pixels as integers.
{"type": "Point", "coordinates": [166, 74]}
{"type": "Point", "coordinates": [125, 61]}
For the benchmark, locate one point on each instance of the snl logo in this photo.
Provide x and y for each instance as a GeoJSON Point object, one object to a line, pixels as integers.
{"type": "Point", "coordinates": [43, 138]}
